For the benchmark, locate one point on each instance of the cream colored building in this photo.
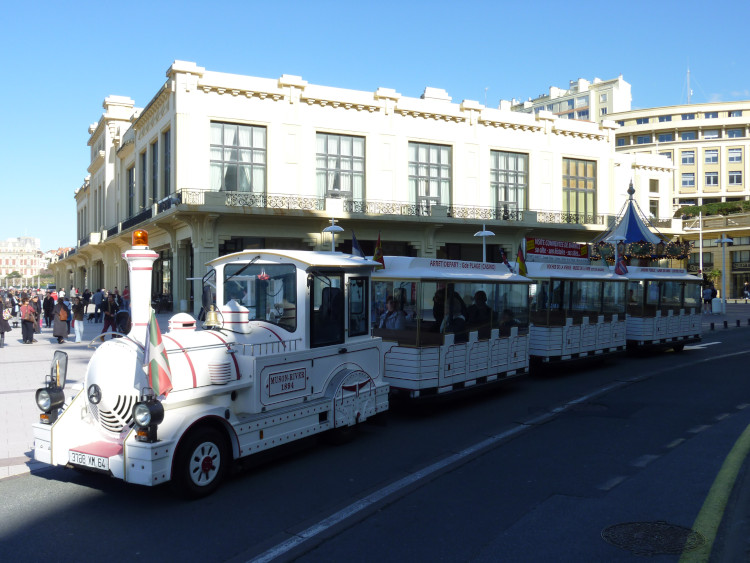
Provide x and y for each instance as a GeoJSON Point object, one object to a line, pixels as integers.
{"type": "Point", "coordinates": [708, 144]}
{"type": "Point", "coordinates": [23, 255]}
{"type": "Point", "coordinates": [583, 100]}
{"type": "Point", "coordinates": [217, 163]}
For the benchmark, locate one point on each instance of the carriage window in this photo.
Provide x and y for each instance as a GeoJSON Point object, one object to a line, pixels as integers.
{"type": "Point", "coordinates": [635, 298]}
{"type": "Point", "coordinates": [268, 291]}
{"type": "Point", "coordinates": [395, 311]}
{"type": "Point", "coordinates": [671, 295]}
{"type": "Point", "coordinates": [357, 306]}
{"type": "Point", "coordinates": [327, 309]}
{"type": "Point", "coordinates": [693, 295]}
{"type": "Point", "coordinates": [512, 305]}
{"type": "Point", "coordinates": [586, 299]}
{"type": "Point", "coordinates": [614, 299]}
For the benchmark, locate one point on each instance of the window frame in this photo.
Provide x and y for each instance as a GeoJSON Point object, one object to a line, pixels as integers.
{"type": "Point", "coordinates": [331, 179]}
{"type": "Point", "coordinates": [421, 174]}
{"type": "Point", "coordinates": [256, 170]}
{"type": "Point", "coordinates": [575, 194]}
{"type": "Point", "coordinates": [505, 194]}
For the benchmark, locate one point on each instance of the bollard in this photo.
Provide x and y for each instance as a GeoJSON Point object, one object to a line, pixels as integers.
{"type": "Point", "coordinates": [712, 326]}
{"type": "Point", "coordinates": [725, 324]}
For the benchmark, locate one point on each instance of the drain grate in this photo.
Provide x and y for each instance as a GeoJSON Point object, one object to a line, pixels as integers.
{"type": "Point", "coordinates": [652, 538]}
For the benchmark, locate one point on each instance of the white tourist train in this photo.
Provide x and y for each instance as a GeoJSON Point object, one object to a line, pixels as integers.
{"type": "Point", "coordinates": [449, 325]}
{"type": "Point", "coordinates": [287, 354]}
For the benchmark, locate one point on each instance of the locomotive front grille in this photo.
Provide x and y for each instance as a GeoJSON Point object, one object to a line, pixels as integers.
{"type": "Point", "coordinates": [120, 416]}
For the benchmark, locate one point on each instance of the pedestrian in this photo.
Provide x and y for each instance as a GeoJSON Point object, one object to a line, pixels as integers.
{"type": "Point", "coordinates": [110, 312]}
{"type": "Point", "coordinates": [4, 324]}
{"type": "Point", "coordinates": [98, 298]}
{"type": "Point", "coordinates": [60, 323]}
{"type": "Point", "coordinates": [78, 312]}
{"type": "Point", "coordinates": [48, 306]}
{"type": "Point", "coordinates": [38, 311]}
{"type": "Point", "coordinates": [61, 294]}
{"type": "Point", "coordinates": [706, 300]}
{"type": "Point", "coordinates": [69, 307]}
{"type": "Point", "coordinates": [86, 300]}
{"type": "Point", "coordinates": [746, 291]}
{"type": "Point", "coordinates": [126, 296]}
{"type": "Point", "coordinates": [28, 320]}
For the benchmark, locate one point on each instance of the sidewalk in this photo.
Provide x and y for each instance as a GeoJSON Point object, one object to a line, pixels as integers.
{"type": "Point", "coordinates": [737, 310]}
{"type": "Point", "coordinates": [22, 371]}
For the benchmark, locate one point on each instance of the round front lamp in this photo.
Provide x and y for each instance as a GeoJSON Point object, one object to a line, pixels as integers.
{"type": "Point", "coordinates": [140, 237]}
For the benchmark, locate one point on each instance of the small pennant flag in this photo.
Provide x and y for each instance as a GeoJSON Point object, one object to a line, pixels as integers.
{"type": "Point", "coordinates": [378, 255]}
{"type": "Point", "coordinates": [521, 261]}
{"type": "Point", "coordinates": [155, 361]}
{"type": "Point", "coordinates": [504, 258]}
{"type": "Point", "coordinates": [620, 268]}
{"type": "Point", "coordinates": [356, 250]}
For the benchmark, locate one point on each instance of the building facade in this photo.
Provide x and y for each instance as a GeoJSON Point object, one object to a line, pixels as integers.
{"type": "Point", "coordinates": [216, 163]}
{"type": "Point", "coordinates": [23, 255]}
{"type": "Point", "coordinates": [583, 100]}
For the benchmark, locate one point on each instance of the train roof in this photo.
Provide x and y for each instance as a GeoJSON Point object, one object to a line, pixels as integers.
{"type": "Point", "coordinates": [582, 271]}
{"type": "Point", "coordinates": [643, 273]}
{"type": "Point", "coordinates": [303, 259]}
{"type": "Point", "coordinates": [412, 268]}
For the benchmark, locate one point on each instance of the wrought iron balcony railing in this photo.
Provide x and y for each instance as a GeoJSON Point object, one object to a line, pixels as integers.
{"type": "Point", "coordinates": [561, 217]}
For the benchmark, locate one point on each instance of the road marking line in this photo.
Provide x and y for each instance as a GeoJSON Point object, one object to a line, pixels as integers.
{"type": "Point", "coordinates": [612, 483]}
{"type": "Point", "coordinates": [699, 429]}
{"type": "Point", "coordinates": [709, 518]}
{"type": "Point", "coordinates": [675, 443]}
{"type": "Point", "coordinates": [644, 460]}
{"type": "Point", "coordinates": [721, 416]}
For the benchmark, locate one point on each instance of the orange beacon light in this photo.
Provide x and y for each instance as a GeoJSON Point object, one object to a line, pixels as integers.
{"type": "Point", "coordinates": [140, 237]}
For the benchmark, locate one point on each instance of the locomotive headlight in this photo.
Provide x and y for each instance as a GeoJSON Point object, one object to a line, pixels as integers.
{"type": "Point", "coordinates": [49, 400]}
{"type": "Point", "coordinates": [147, 415]}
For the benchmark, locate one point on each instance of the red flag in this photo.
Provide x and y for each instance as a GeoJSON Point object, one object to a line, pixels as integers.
{"type": "Point", "coordinates": [504, 258]}
{"type": "Point", "coordinates": [521, 262]}
{"type": "Point", "coordinates": [378, 255]}
{"type": "Point", "coordinates": [155, 360]}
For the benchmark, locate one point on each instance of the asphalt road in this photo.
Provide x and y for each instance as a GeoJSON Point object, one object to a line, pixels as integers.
{"type": "Point", "coordinates": [535, 471]}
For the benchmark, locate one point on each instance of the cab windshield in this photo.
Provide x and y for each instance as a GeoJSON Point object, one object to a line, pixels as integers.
{"type": "Point", "coordinates": [268, 291]}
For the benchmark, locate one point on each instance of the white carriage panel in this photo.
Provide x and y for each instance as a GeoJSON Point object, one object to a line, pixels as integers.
{"type": "Point", "coordinates": [545, 341]}
{"type": "Point", "coordinates": [619, 330]}
{"type": "Point", "coordinates": [604, 335]}
{"type": "Point", "coordinates": [499, 357]}
{"type": "Point", "coordinates": [571, 340]}
{"type": "Point", "coordinates": [479, 358]}
{"type": "Point", "coordinates": [588, 337]}
{"type": "Point", "coordinates": [519, 353]}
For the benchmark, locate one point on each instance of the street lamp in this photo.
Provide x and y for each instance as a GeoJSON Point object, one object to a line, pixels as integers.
{"type": "Point", "coordinates": [333, 229]}
{"type": "Point", "coordinates": [723, 241]}
{"type": "Point", "coordinates": [484, 233]}
{"type": "Point", "coordinates": [615, 240]}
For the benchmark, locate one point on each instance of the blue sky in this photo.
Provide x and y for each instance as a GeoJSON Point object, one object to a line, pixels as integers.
{"type": "Point", "coordinates": [59, 60]}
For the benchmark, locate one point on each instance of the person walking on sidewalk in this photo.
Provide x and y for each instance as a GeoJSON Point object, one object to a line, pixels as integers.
{"type": "Point", "coordinates": [38, 312]}
{"type": "Point", "coordinates": [98, 299]}
{"type": "Point", "coordinates": [4, 324]}
{"type": "Point", "coordinates": [60, 323]}
{"type": "Point", "coordinates": [707, 300]}
{"type": "Point", "coordinates": [28, 320]}
{"type": "Point", "coordinates": [78, 312]}
{"type": "Point", "coordinates": [110, 309]}
{"type": "Point", "coordinates": [48, 306]}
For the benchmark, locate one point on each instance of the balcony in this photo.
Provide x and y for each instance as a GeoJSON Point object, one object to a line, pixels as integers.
{"type": "Point", "coordinates": [562, 217]}
{"type": "Point", "coordinates": [136, 219]}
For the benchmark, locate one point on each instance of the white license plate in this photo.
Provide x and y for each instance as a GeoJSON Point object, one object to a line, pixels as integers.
{"type": "Point", "coordinates": [88, 460]}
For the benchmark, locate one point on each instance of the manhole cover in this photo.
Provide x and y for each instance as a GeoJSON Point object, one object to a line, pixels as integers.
{"type": "Point", "coordinates": [652, 538]}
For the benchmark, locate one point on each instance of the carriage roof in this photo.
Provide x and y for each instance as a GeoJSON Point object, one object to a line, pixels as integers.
{"type": "Point", "coordinates": [303, 259]}
{"type": "Point", "coordinates": [413, 268]}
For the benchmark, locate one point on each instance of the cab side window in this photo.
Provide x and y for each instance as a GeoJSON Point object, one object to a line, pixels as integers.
{"type": "Point", "coordinates": [327, 309]}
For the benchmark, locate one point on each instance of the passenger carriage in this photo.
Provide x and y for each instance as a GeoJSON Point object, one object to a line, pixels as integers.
{"type": "Point", "coordinates": [451, 324]}
{"type": "Point", "coordinates": [577, 311]}
{"type": "Point", "coordinates": [285, 353]}
{"type": "Point", "coordinates": [664, 308]}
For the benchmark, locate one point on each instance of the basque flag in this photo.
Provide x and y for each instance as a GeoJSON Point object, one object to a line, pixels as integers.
{"type": "Point", "coordinates": [620, 268]}
{"type": "Point", "coordinates": [504, 258]}
{"type": "Point", "coordinates": [521, 261]}
{"type": "Point", "coordinates": [378, 255]}
{"type": "Point", "coordinates": [356, 250]}
{"type": "Point", "coordinates": [155, 360]}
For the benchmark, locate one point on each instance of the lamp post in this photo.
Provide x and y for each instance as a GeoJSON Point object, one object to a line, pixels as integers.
{"type": "Point", "coordinates": [615, 240]}
{"type": "Point", "coordinates": [484, 233]}
{"type": "Point", "coordinates": [333, 229]}
{"type": "Point", "coordinates": [723, 241]}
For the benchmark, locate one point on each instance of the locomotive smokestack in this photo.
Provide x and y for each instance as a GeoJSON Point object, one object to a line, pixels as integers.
{"type": "Point", "coordinates": [140, 261]}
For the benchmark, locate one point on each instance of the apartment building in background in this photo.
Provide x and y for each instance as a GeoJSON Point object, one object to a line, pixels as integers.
{"type": "Point", "coordinates": [216, 163]}
{"type": "Point", "coordinates": [583, 100]}
{"type": "Point", "coordinates": [23, 255]}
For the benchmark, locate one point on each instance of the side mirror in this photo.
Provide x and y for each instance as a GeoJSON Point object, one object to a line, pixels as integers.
{"type": "Point", "coordinates": [59, 369]}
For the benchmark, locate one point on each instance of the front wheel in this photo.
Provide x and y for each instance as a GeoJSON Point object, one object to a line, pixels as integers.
{"type": "Point", "coordinates": [201, 463]}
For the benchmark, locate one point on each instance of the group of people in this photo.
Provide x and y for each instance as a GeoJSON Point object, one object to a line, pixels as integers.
{"type": "Point", "coordinates": [62, 312]}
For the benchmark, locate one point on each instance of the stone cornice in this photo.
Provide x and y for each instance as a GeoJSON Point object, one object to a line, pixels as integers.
{"type": "Point", "coordinates": [152, 113]}
{"type": "Point", "coordinates": [97, 162]}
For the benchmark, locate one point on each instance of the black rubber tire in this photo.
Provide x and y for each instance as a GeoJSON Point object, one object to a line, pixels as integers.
{"type": "Point", "coordinates": [678, 347]}
{"type": "Point", "coordinates": [201, 463]}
